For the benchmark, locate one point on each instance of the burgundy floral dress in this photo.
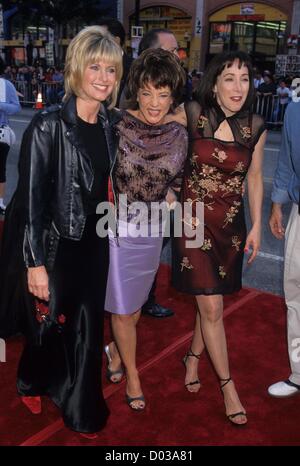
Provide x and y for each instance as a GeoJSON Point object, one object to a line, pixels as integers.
{"type": "Point", "coordinates": [214, 175]}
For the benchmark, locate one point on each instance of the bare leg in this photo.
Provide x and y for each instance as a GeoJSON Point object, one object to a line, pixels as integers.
{"type": "Point", "coordinates": [124, 329]}
{"type": "Point", "coordinates": [116, 358]}
{"type": "Point", "coordinates": [191, 363]}
{"type": "Point", "coordinates": [211, 310]}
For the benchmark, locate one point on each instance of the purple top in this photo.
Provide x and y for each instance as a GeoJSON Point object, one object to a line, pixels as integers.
{"type": "Point", "coordinates": [150, 158]}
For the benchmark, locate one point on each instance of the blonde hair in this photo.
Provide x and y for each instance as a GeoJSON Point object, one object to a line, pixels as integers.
{"type": "Point", "coordinates": [91, 45]}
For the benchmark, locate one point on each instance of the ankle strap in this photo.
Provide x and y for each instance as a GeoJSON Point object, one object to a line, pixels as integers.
{"type": "Point", "coordinates": [190, 353]}
{"type": "Point", "coordinates": [226, 381]}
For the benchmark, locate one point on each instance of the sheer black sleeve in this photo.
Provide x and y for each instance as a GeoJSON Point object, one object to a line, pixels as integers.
{"type": "Point", "coordinates": [193, 110]}
{"type": "Point", "coordinates": [258, 127]}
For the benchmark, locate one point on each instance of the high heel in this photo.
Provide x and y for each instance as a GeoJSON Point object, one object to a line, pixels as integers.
{"type": "Point", "coordinates": [184, 360]}
{"type": "Point", "coordinates": [131, 399]}
{"type": "Point", "coordinates": [109, 373]}
{"type": "Point", "coordinates": [33, 403]}
{"type": "Point", "coordinates": [232, 416]}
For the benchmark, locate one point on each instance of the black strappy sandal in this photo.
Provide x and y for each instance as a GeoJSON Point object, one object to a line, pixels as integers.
{"type": "Point", "coordinates": [232, 416]}
{"type": "Point", "coordinates": [191, 354]}
{"type": "Point", "coordinates": [131, 399]}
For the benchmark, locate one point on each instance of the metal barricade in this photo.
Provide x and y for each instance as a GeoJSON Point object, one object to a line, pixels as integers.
{"type": "Point", "coordinates": [267, 106]}
{"type": "Point", "coordinates": [51, 92]}
{"type": "Point", "coordinates": [271, 109]}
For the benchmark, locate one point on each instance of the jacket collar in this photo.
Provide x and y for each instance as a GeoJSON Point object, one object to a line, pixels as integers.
{"type": "Point", "coordinates": [68, 113]}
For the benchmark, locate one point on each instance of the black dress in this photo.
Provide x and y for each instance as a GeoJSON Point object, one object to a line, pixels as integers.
{"type": "Point", "coordinates": [214, 175]}
{"type": "Point", "coordinates": [67, 366]}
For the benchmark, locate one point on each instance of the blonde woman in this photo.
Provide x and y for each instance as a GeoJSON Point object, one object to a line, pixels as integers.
{"type": "Point", "coordinates": [66, 159]}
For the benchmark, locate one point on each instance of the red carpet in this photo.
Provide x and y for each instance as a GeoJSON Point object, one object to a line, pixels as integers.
{"type": "Point", "coordinates": [255, 325]}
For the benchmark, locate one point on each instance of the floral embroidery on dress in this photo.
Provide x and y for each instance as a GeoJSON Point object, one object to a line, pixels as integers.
{"type": "Point", "coordinates": [232, 185]}
{"type": "Point", "coordinates": [240, 167]}
{"type": "Point", "coordinates": [220, 155]}
{"type": "Point", "coordinates": [222, 272]}
{"type": "Point", "coordinates": [236, 242]}
{"type": "Point", "coordinates": [203, 183]}
{"type": "Point", "coordinates": [206, 245]}
{"type": "Point", "coordinates": [185, 264]}
{"type": "Point", "coordinates": [202, 121]}
{"type": "Point", "coordinates": [192, 222]}
{"type": "Point", "coordinates": [246, 132]}
{"type": "Point", "coordinates": [234, 209]}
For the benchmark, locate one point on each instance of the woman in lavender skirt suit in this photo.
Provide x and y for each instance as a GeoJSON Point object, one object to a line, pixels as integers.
{"type": "Point", "coordinates": [152, 151]}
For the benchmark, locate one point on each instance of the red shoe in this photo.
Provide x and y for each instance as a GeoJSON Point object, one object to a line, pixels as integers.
{"type": "Point", "coordinates": [89, 436]}
{"type": "Point", "coordinates": [33, 403]}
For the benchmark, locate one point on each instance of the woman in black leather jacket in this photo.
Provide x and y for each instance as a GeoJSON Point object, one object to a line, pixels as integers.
{"type": "Point", "coordinates": [53, 264]}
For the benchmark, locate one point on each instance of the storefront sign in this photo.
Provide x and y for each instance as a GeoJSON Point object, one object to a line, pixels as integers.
{"type": "Point", "coordinates": [245, 17]}
{"type": "Point", "coordinates": [247, 9]}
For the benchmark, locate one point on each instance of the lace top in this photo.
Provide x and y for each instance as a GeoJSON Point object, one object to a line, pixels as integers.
{"type": "Point", "coordinates": [245, 126]}
{"type": "Point", "coordinates": [149, 158]}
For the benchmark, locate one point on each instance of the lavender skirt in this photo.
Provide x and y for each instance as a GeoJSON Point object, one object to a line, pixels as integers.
{"type": "Point", "coordinates": [132, 268]}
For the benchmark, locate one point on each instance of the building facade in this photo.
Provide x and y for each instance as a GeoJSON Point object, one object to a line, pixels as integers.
{"type": "Point", "coordinates": [264, 29]}
{"type": "Point", "coordinates": [204, 28]}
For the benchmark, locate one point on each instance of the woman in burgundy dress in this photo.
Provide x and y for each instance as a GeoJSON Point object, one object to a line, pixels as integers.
{"type": "Point", "coordinates": [226, 143]}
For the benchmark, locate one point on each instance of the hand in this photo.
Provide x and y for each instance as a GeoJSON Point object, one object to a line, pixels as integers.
{"type": "Point", "coordinates": [38, 282]}
{"type": "Point", "coordinates": [171, 198]}
{"type": "Point", "coordinates": [275, 221]}
{"type": "Point", "coordinates": [253, 242]}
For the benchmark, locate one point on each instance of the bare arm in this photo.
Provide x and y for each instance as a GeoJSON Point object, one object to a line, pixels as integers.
{"type": "Point", "coordinates": [275, 221]}
{"type": "Point", "coordinates": [178, 115]}
{"type": "Point", "coordinates": [255, 196]}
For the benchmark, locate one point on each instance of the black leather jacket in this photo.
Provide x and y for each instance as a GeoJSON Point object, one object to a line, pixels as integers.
{"type": "Point", "coordinates": [54, 171]}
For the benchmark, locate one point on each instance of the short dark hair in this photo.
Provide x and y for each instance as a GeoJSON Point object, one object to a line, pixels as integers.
{"type": "Point", "coordinates": [151, 40]}
{"type": "Point", "coordinates": [114, 27]}
{"type": "Point", "coordinates": [2, 65]}
{"type": "Point", "coordinates": [205, 95]}
{"type": "Point", "coordinates": [160, 68]}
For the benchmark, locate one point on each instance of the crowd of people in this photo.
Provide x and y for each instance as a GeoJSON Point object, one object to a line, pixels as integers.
{"type": "Point", "coordinates": [68, 254]}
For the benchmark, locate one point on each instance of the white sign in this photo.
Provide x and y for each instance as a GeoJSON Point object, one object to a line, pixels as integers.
{"type": "Point", "coordinates": [137, 31]}
{"type": "Point", "coordinates": [247, 9]}
{"type": "Point", "coordinates": [199, 18]}
{"type": "Point", "coordinates": [50, 54]}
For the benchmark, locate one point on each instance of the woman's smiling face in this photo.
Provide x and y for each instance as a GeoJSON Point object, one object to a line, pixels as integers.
{"type": "Point", "coordinates": [232, 88]}
{"type": "Point", "coordinates": [154, 103]}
